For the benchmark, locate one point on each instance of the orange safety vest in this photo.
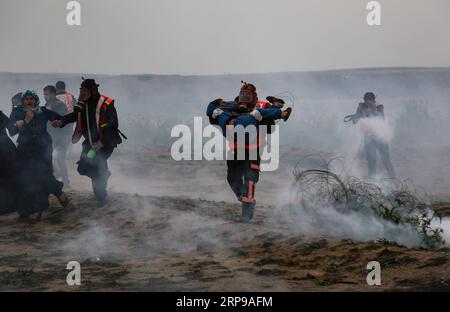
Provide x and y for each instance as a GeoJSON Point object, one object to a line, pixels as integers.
{"type": "Point", "coordinates": [233, 145]}
{"type": "Point", "coordinates": [100, 119]}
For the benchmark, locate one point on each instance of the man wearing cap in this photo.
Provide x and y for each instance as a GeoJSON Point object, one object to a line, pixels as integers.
{"type": "Point", "coordinates": [96, 120]}
{"type": "Point", "coordinates": [243, 174]}
{"type": "Point", "coordinates": [370, 109]}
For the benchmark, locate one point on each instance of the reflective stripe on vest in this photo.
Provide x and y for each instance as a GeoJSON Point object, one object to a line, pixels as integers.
{"type": "Point", "coordinates": [103, 121]}
{"type": "Point", "coordinates": [99, 107]}
{"type": "Point", "coordinates": [234, 145]}
{"type": "Point", "coordinates": [254, 166]}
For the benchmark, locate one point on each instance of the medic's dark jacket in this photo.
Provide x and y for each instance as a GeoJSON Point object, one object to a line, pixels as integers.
{"type": "Point", "coordinates": [103, 122]}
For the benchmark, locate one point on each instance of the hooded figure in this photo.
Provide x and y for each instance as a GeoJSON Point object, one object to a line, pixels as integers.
{"type": "Point", "coordinates": [8, 169]}
{"type": "Point", "coordinates": [370, 108]}
{"type": "Point", "coordinates": [35, 169]}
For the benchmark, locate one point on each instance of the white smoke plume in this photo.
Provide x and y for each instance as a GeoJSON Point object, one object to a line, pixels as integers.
{"type": "Point", "coordinates": [377, 127]}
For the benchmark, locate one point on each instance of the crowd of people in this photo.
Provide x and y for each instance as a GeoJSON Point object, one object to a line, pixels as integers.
{"type": "Point", "coordinates": [30, 173]}
{"type": "Point", "coordinates": [27, 175]}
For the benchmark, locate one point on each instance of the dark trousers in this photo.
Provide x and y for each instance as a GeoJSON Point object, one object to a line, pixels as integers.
{"type": "Point", "coordinates": [96, 168]}
{"type": "Point", "coordinates": [60, 162]}
{"type": "Point", "coordinates": [371, 146]}
{"type": "Point", "coordinates": [36, 180]}
{"type": "Point", "coordinates": [242, 177]}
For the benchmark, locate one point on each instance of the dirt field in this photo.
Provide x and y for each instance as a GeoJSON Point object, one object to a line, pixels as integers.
{"type": "Point", "coordinates": [163, 240]}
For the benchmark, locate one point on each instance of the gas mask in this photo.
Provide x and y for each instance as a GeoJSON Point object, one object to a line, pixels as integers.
{"type": "Point", "coordinates": [247, 97]}
{"type": "Point", "coordinates": [85, 94]}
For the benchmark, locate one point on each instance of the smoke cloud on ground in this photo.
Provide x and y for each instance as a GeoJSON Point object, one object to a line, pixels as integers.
{"type": "Point", "coordinates": [149, 106]}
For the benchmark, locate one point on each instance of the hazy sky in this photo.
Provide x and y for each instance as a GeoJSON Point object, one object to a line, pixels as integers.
{"type": "Point", "coordinates": [220, 36]}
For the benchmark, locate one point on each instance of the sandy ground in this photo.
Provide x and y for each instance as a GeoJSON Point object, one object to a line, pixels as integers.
{"type": "Point", "coordinates": [173, 227]}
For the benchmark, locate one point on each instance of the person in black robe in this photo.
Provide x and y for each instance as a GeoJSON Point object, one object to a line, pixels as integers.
{"type": "Point", "coordinates": [35, 173]}
{"type": "Point", "coordinates": [8, 169]}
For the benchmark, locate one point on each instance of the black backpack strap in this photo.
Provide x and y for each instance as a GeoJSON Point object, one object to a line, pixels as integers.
{"type": "Point", "coordinates": [122, 135]}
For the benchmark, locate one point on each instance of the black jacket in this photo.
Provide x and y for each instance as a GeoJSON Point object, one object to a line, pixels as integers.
{"type": "Point", "coordinates": [106, 131]}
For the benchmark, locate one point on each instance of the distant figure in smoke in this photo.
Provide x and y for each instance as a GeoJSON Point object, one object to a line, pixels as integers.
{"type": "Point", "coordinates": [35, 168]}
{"type": "Point", "coordinates": [60, 137]}
{"type": "Point", "coordinates": [8, 169]}
{"type": "Point", "coordinates": [96, 120]}
{"type": "Point", "coordinates": [371, 109]}
{"type": "Point", "coordinates": [243, 174]}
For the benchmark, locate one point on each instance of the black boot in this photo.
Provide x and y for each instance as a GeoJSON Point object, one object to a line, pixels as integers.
{"type": "Point", "coordinates": [287, 113]}
{"type": "Point", "coordinates": [99, 187]}
{"type": "Point", "coordinates": [63, 199]}
{"type": "Point", "coordinates": [275, 101]}
{"type": "Point", "coordinates": [102, 202]}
